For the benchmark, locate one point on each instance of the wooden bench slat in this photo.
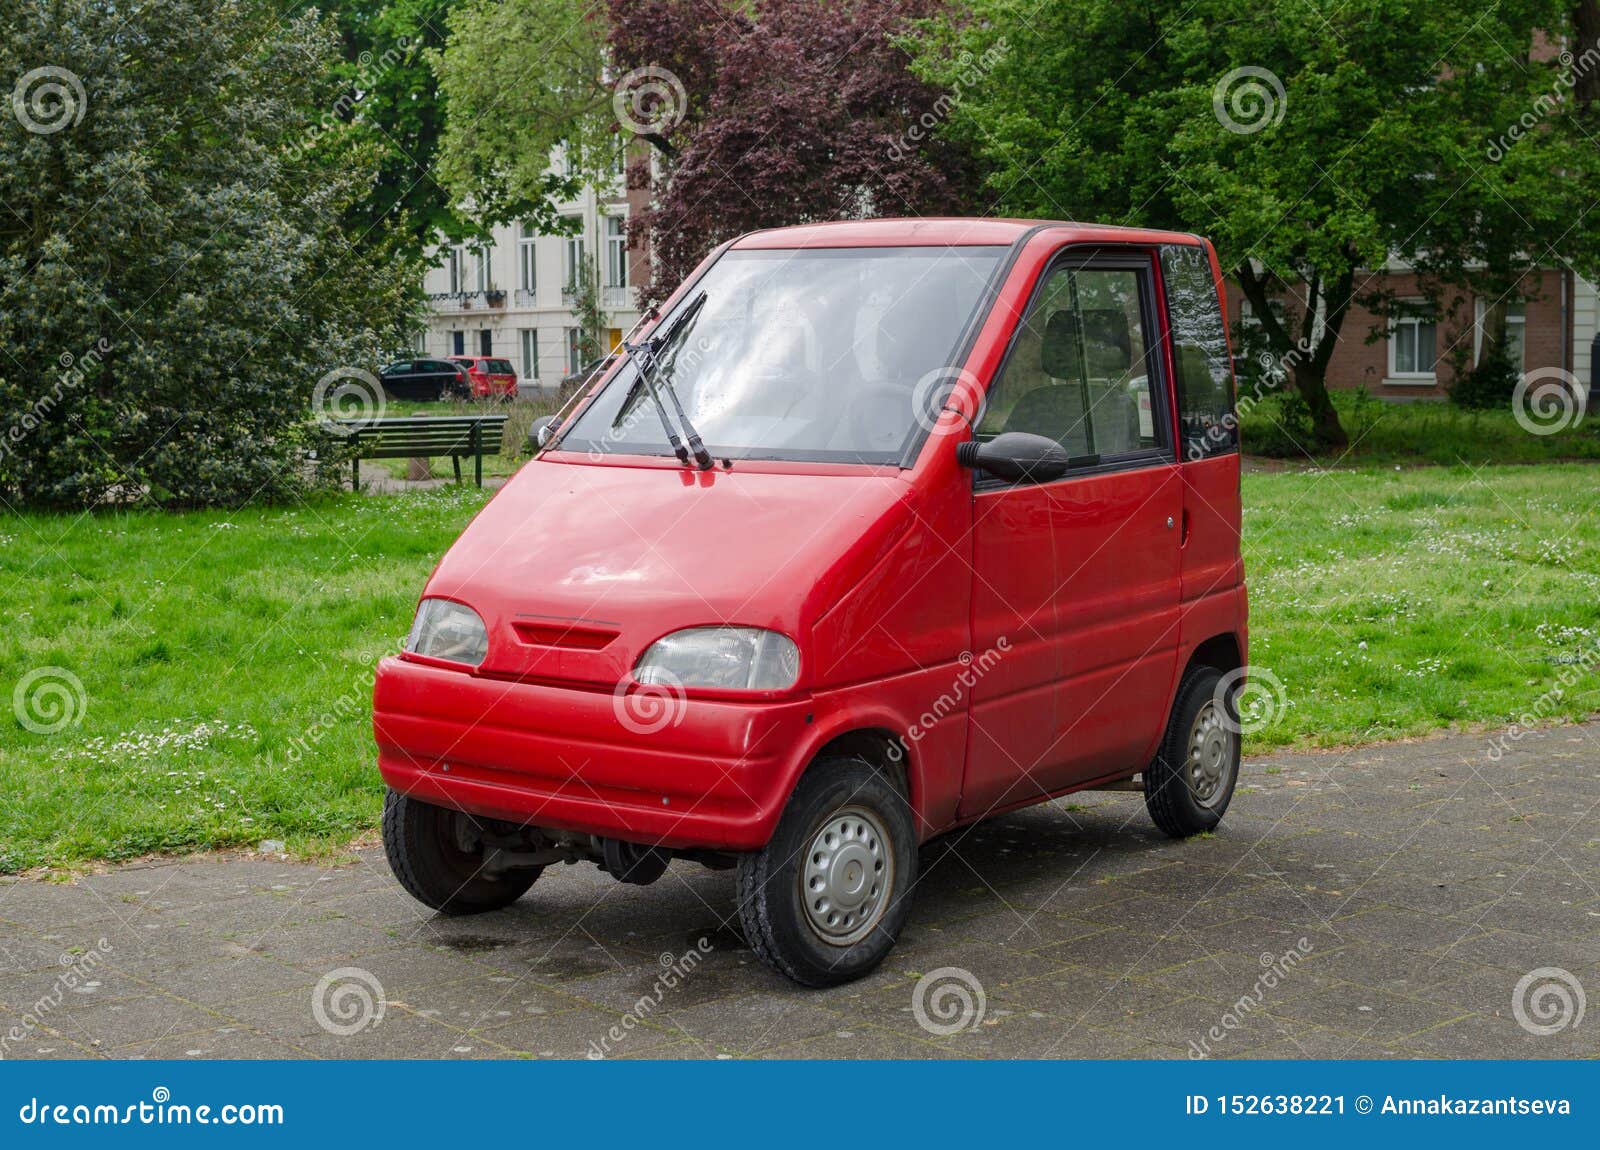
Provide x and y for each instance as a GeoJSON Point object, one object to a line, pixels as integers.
{"type": "Point", "coordinates": [421, 436]}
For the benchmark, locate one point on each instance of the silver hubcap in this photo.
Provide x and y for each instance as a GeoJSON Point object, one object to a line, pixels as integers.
{"type": "Point", "coordinates": [1210, 755]}
{"type": "Point", "coordinates": [846, 877]}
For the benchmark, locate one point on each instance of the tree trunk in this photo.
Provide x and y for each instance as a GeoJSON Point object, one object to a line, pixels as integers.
{"type": "Point", "coordinates": [1492, 336]}
{"type": "Point", "coordinates": [1307, 365]}
{"type": "Point", "coordinates": [1310, 380]}
{"type": "Point", "coordinates": [1586, 25]}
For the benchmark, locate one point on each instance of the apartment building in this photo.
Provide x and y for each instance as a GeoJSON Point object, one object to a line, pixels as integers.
{"type": "Point", "coordinates": [513, 298]}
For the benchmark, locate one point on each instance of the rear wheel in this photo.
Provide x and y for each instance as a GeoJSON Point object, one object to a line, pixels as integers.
{"type": "Point", "coordinates": [431, 852]}
{"type": "Point", "coordinates": [1190, 783]}
{"type": "Point", "coordinates": [823, 902]}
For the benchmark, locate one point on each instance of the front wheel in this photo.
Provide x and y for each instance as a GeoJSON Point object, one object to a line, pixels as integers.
{"type": "Point", "coordinates": [823, 902]}
{"type": "Point", "coordinates": [432, 852]}
{"type": "Point", "coordinates": [1190, 783]}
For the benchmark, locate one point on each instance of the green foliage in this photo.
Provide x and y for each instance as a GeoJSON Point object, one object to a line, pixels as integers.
{"type": "Point", "coordinates": [176, 272]}
{"type": "Point", "coordinates": [1310, 143]}
{"type": "Point", "coordinates": [521, 78]}
{"type": "Point", "coordinates": [1489, 385]}
{"type": "Point", "coordinates": [587, 311]}
{"type": "Point", "coordinates": [390, 100]}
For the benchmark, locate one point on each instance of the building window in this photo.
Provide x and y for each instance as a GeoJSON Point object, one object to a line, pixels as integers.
{"type": "Point", "coordinates": [574, 352]}
{"type": "Point", "coordinates": [483, 269]}
{"type": "Point", "coordinates": [575, 256]}
{"type": "Point", "coordinates": [1412, 344]}
{"type": "Point", "coordinates": [485, 341]}
{"type": "Point", "coordinates": [419, 342]}
{"type": "Point", "coordinates": [530, 353]}
{"type": "Point", "coordinates": [616, 252]}
{"type": "Point", "coordinates": [454, 264]}
{"type": "Point", "coordinates": [458, 343]}
{"type": "Point", "coordinates": [527, 278]}
{"type": "Point", "coordinates": [1516, 333]}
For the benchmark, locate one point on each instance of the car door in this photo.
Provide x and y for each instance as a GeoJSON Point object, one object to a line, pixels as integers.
{"type": "Point", "coordinates": [1080, 574]}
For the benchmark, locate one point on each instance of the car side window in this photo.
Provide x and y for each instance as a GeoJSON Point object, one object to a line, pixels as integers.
{"type": "Point", "coordinates": [1199, 354]}
{"type": "Point", "coordinates": [1079, 367]}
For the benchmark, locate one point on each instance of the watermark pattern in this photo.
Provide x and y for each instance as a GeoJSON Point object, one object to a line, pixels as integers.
{"type": "Point", "coordinates": [48, 700]}
{"type": "Point", "coordinates": [970, 72]}
{"type": "Point", "coordinates": [674, 969]}
{"type": "Point", "coordinates": [354, 704]}
{"type": "Point", "coordinates": [1548, 1000]}
{"type": "Point", "coordinates": [1249, 99]}
{"type": "Point", "coordinates": [160, 1110]}
{"type": "Point", "coordinates": [74, 372]}
{"type": "Point", "coordinates": [47, 100]}
{"type": "Point", "coordinates": [75, 979]}
{"type": "Point", "coordinates": [347, 1001]}
{"type": "Point", "coordinates": [370, 70]}
{"type": "Point", "coordinates": [1275, 969]}
{"type": "Point", "coordinates": [646, 708]}
{"type": "Point", "coordinates": [973, 668]}
{"type": "Point", "coordinates": [649, 101]}
{"type": "Point", "coordinates": [1573, 68]}
{"type": "Point", "coordinates": [1573, 668]}
{"type": "Point", "coordinates": [347, 399]}
{"type": "Point", "coordinates": [1547, 400]}
{"type": "Point", "coordinates": [931, 397]}
{"type": "Point", "coordinates": [948, 1000]}
{"type": "Point", "coordinates": [1258, 699]}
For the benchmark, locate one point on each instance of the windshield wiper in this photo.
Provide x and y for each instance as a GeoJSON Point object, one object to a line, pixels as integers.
{"type": "Point", "coordinates": [648, 353]}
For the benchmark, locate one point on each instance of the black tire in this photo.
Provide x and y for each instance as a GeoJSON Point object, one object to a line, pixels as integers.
{"type": "Point", "coordinates": [419, 839]}
{"type": "Point", "coordinates": [1181, 792]}
{"type": "Point", "coordinates": [779, 927]}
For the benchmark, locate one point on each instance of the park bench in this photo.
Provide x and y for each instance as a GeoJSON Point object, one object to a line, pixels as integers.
{"type": "Point", "coordinates": [421, 437]}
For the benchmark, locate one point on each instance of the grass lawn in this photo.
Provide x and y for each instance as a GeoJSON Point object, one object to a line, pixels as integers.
{"type": "Point", "coordinates": [225, 658]}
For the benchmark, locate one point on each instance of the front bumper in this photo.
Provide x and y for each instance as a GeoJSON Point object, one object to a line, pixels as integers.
{"type": "Point", "coordinates": [695, 773]}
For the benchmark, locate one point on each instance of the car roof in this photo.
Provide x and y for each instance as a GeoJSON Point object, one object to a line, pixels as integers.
{"type": "Point", "coordinates": [945, 231]}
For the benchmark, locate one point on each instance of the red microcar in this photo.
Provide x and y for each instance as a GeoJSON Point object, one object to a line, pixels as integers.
{"type": "Point", "coordinates": [879, 529]}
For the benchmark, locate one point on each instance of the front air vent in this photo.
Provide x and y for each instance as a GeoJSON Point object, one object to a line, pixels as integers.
{"type": "Point", "coordinates": [568, 634]}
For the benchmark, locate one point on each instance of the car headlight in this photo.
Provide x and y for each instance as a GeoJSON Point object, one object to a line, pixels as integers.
{"type": "Point", "coordinates": [722, 658]}
{"type": "Point", "coordinates": [448, 630]}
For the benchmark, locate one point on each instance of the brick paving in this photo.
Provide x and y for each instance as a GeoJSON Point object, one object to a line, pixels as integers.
{"type": "Point", "coordinates": [1412, 887]}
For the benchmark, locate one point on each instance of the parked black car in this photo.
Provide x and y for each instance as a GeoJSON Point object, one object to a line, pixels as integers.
{"type": "Point", "coordinates": [426, 380]}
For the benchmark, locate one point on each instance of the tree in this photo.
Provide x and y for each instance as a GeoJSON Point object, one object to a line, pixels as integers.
{"type": "Point", "coordinates": [763, 114]}
{"type": "Point", "coordinates": [176, 276]}
{"type": "Point", "coordinates": [390, 99]}
{"type": "Point", "coordinates": [523, 81]}
{"type": "Point", "coordinates": [1304, 140]}
{"type": "Point", "coordinates": [587, 311]}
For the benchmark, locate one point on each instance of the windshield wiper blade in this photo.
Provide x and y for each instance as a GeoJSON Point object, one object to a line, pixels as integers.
{"type": "Point", "coordinates": [648, 353]}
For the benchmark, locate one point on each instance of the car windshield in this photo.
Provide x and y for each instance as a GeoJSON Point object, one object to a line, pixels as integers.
{"type": "Point", "coordinates": [498, 366]}
{"type": "Point", "coordinates": [813, 354]}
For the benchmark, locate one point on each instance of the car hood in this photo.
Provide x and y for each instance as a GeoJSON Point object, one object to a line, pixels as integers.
{"type": "Point", "coordinates": [576, 568]}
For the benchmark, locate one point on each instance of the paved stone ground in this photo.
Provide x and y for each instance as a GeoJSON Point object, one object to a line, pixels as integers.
{"type": "Point", "coordinates": [1425, 881]}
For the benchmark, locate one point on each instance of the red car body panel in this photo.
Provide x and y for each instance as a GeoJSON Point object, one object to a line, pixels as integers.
{"type": "Point", "coordinates": [486, 383]}
{"type": "Point", "coordinates": [896, 584]}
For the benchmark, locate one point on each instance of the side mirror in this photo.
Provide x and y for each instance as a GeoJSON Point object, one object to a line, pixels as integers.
{"type": "Point", "coordinates": [1016, 456]}
{"type": "Point", "coordinates": [540, 431]}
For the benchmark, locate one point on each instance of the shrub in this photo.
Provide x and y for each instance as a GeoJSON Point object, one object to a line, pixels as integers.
{"type": "Point", "coordinates": [177, 277]}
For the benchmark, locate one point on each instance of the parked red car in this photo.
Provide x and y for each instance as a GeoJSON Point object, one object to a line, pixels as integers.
{"type": "Point", "coordinates": [491, 376]}
{"type": "Point", "coordinates": [881, 529]}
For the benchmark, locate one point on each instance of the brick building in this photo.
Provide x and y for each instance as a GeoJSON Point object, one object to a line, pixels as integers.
{"type": "Point", "coordinates": [1551, 325]}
